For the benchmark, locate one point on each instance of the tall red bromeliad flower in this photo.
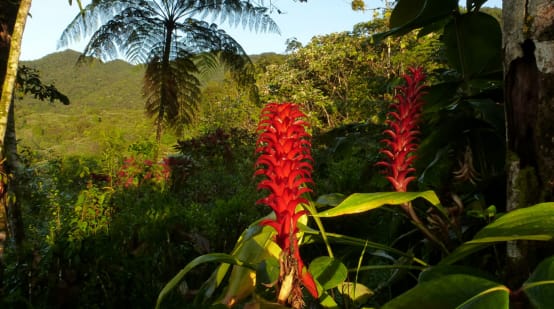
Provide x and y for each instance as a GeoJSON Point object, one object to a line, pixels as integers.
{"type": "Point", "coordinates": [403, 130]}
{"type": "Point", "coordinates": [285, 160]}
{"type": "Point", "coordinates": [402, 141]}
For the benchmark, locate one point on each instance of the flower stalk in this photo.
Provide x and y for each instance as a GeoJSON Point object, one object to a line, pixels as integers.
{"type": "Point", "coordinates": [401, 140]}
{"type": "Point", "coordinates": [285, 161]}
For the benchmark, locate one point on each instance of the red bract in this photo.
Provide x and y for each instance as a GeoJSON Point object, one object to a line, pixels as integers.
{"type": "Point", "coordinates": [285, 161]}
{"type": "Point", "coordinates": [403, 131]}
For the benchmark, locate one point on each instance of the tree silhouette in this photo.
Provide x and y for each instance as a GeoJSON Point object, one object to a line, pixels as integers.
{"type": "Point", "coordinates": [174, 41]}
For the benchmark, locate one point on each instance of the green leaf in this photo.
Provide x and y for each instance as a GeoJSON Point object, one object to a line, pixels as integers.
{"type": "Point", "coordinates": [531, 223]}
{"type": "Point", "coordinates": [362, 202]}
{"type": "Point", "coordinates": [328, 272]}
{"type": "Point", "coordinates": [540, 285]}
{"type": "Point", "coordinates": [357, 292]}
{"type": "Point", "coordinates": [207, 258]}
{"type": "Point", "coordinates": [326, 301]}
{"type": "Point", "coordinates": [411, 14]}
{"type": "Point", "coordinates": [453, 291]}
{"type": "Point", "coordinates": [469, 49]}
{"type": "Point", "coordinates": [255, 245]}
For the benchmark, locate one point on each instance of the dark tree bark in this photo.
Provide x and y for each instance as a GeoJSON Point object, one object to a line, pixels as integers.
{"type": "Point", "coordinates": [13, 15]}
{"type": "Point", "coordinates": [528, 36]}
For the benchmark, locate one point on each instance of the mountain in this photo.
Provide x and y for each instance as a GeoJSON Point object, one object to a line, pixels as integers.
{"type": "Point", "coordinates": [115, 84]}
{"type": "Point", "coordinates": [106, 110]}
{"type": "Point", "coordinates": [106, 113]}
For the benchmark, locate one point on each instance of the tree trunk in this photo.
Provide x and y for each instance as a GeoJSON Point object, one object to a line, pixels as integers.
{"type": "Point", "coordinates": [164, 95]}
{"type": "Point", "coordinates": [15, 168]}
{"type": "Point", "coordinates": [12, 26]}
{"type": "Point", "coordinates": [528, 43]}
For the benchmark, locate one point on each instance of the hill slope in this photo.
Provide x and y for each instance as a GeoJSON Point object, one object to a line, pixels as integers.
{"type": "Point", "coordinates": [106, 107]}
{"type": "Point", "coordinates": [106, 113]}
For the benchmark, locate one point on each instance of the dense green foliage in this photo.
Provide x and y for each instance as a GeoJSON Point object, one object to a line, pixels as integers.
{"type": "Point", "coordinates": [107, 225]}
{"type": "Point", "coordinates": [106, 106]}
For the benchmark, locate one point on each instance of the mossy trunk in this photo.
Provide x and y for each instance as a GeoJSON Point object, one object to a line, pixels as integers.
{"type": "Point", "coordinates": [528, 43]}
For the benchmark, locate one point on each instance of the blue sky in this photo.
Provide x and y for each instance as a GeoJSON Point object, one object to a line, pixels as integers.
{"type": "Point", "coordinates": [300, 20]}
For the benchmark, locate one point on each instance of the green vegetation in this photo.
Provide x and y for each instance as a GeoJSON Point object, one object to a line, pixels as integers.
{"type": "Point", "coordinates": [175, 42]}
{"type": "Point", "coordinates": [110, 221]}
{"type": "Point", "coordinates": [106, 107]}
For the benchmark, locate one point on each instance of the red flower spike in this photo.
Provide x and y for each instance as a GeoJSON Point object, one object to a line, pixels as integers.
{"type": "Point", "coordinates": [286, 162]}
{"type": "Point", "coordinates": [401, 137]}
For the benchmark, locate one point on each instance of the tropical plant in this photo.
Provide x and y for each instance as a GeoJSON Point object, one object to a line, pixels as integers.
{"type": "Point", "coordinates": [285, 161]}
{"type": "Point", "coordinates": [170, 37]}
{"type": "Point", "coordinates": [343, 78]}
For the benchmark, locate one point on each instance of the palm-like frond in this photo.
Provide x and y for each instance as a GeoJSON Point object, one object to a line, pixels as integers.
{"type": "Point", "coordinates": [178, 86]}
{"type": "Point", "coordinates": [168, 36]}
{"type": "Point", "coordinates": [236, 13]}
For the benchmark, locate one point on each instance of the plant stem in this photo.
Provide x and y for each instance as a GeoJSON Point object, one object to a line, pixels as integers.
{"type": "Point", "coordinates": [409, 209]}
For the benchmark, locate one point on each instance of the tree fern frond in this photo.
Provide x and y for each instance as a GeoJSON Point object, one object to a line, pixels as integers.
{"type": "Point", "coordinates": [237, 12]}
{"type": "Point", "coordinates": [94, 15]}
{"type": "Point", "coordinates": [207, 64]}
{"type": "Point", "coordinates": [176, 48]}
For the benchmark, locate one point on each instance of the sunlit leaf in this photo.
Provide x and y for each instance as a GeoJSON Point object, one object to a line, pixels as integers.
{"type": "Point", "coordinates": [207, 258]}
{"type": "Point", "coordinates": [328, 271]}
{"type": "Point", "coordinates": [453, 291]}
{"type": "Point", "coordinates": [530, 223]}
{"type": "Point", "coordinates": [326, 301]}
{"type": "Point", "coordinates": [362, 202]}
{"type": "Point", "coordinates": [254, 249]}
{"type": "Point", "coordinates": [357, 292]}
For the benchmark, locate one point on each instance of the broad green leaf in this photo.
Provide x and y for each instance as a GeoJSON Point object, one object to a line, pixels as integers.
{"type": "Point", "coordinates": [328, 272]}
{"type": "Point", "coordinates": [453, 291]}
{"type": "Point", "coordinates": [531, 223]}
{"type": "Point", "coordinates": [241, 284]}
{"type": "Point", "coordinates": [406, 11]}
{"type": "Point", "coordinates": [326, 301]}
{"type": "Point", "coordinates": [411, 14]}
{"type": "Point", "coordinates": [540, 285]}
{"type": "Point", "coordinates": [254, 245]}
{"type": "Point", "coordinates": [207, 258]}
{"type": "Point", "coordinates": [357, 292]}
{"type": "Point", "coordinates": [469, 49]}
{"type": "Point", "coordinates": [362, 202]}
{"type": "Point", "coordinates": [254, 249]}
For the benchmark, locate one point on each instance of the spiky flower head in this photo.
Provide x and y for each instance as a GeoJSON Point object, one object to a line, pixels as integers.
{"type": "Point", "coordinates": [285, 161]}
{"type": "Point", "coordinates": [401, 141]}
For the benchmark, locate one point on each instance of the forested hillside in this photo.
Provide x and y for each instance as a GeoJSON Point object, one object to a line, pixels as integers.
{"type": "Point", "coordinates": [106, 103]}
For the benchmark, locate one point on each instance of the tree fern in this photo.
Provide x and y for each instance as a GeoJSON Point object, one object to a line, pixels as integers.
{"type": "Point", "coordinates": [176, 42]}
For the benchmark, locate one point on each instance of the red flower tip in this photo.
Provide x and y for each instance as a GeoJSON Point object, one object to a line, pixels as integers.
{"type": "Point", "coordinates": [285, 160]}
{"type": "Point", "coordinates": [401, 137]}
